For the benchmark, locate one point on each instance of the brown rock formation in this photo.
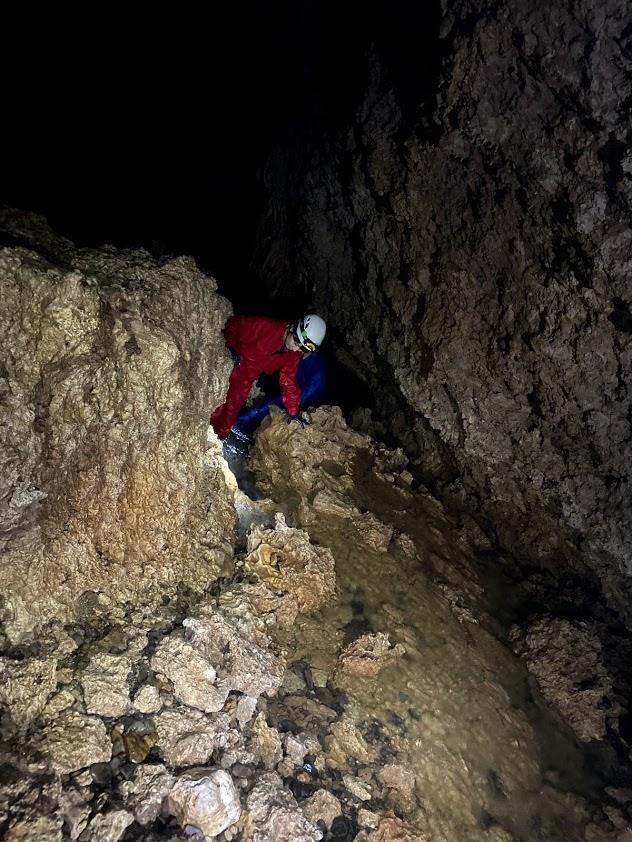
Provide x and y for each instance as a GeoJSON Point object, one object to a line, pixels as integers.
{"type": "Point", "coordinates": [111, 363]}
{"type": "Point", "coordinates": [475, 265]}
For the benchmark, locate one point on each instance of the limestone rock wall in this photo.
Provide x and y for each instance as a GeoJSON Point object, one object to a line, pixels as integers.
{"type": "Point", "coordinates": [111, 362]}
{"type": "Point", "coordinates": [475, 265]}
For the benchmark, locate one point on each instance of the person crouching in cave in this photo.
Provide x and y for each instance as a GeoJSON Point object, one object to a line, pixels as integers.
{"type": "Point", "coordinates": [312, 380]}
{"type": "Point", "coordinates": [259, 345]}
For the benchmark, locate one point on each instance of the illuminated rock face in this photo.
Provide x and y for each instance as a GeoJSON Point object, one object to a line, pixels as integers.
{"type": "Point", "coordinates": [111, 363]}
{"type": "Point", "coordinates": [477, 270]}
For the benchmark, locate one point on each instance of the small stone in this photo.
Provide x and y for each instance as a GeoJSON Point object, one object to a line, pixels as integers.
{"type": "Point", "coordinates": [150, 786]}
{"type": "Point", "coordinates": [245, 709]}
{"type": "Point", "coordinates": [105, 687]}
{"type": "Point", "coordinates": [320, 678]}
{"type": "Point", "coordinates": [206, 801]}
{"type": "Point", "coordinates": [147, 699]}
{"type": "Point", "coordinates": [356, 787]}
{"type": "Point", "coordinates": [295, 749]}
{"type": "Point", "coordinates": [367, 819]}
{"type": "Point", "coordinates": [109, 827]}
{"type": "Point", "coordinates": [322, 806]}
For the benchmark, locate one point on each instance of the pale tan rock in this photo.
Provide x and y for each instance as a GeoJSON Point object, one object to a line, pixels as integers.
{"type": "Point", "coordinates": [401, 781]}
{"type": "Point", "coordinates": [368, 820]}
{"type": "Point", "coordinates": [368, 655]}
{"type": "Point", "coordinates": [188, 737]}
{"type": "Point", "coordinates": [75, 741]}
{"type": "Point", "coordinates": [105, 684]}
{"type": "Point", "coordinates": [146, 792]}
{"type": "Point", "coordinates": [294, 748]}
{"type": "Point", "coordinates": [112, 361]}
{"type": "Point", "coordinates": [321, 806]}
{"type": "Point", "coordinates": [361, 789]}
{"type": "Point", "coordinates": [293, 683]}
{"type": "Point", "coordinates": [58, 703]}
{"type": "Point", "coordinates": [191, 674]}
{"type": "Point", "coordinates": [374, 533]}
{"type": "Point", "coordinates": [25, 687]}
{"type": "Point", "coordinates": [246, 707]}
{"type": "Point", "coordinates": [391, 829]}
{"type": "Point", "coordinates": [344, 742]}
{"type": "Point", "coordinates": [272, 814]}
{"type": "Point", "coordinates": [208, 801]}
{"type": "Point", "coordinates": [265, 743]}
{"type": "Point", "coordinates": [243, 660]}
{"type": "Point", "coordinates": [147, 699]}
{"type": "Point", "coordinates": [285, 561]}
{"type": "Point", "coordinates": [108, 827]}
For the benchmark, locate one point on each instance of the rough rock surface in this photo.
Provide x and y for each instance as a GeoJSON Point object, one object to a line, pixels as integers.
{"type": "Point", "coordinates": [109, 827]}
{"type": "Point", "coordinates": [152, 782]}
{"type": "Point", "coordinates": [111, 362]}
{"type": "Point", "coordinates": [393, 830]}
{"type": "Point", "coordinates": [147, 699]}
{"type": "Point", "coordinates": [285, 561]}
{"type": "Point", "coordinates": [190, 673]}
{"type": "Point", "coordinates": [25, 687]}
{"type": "Point", "coordinates": [208, 801]}
{"type": "Point", "coordinates": [188, 737]}
{"type": "Point", "coordinates": [105, 687]}
{"type": "Point", "coordinates": [273, 815]}
{"type": "Point", "coordinates": [567, 661]}
{"type": "Point", "coordinates": [75, 741]}
{"type": "Point", "coordinates": [322, 806]}
{"type": "Point", "coordinates": [368, 655]}
{"type": "Point", "coordinates": [473, 251]}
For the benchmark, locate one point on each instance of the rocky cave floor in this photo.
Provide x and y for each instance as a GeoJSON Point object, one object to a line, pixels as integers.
{"type": "Point", "coordinates": [355, 678]}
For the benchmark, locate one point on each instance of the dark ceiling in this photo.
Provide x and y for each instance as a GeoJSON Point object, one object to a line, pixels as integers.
{"type": "Point", "coordinates": [151, 130]}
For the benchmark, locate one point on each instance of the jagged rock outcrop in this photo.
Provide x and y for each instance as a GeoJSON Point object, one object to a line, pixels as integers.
{"type": "Point", "coordinates": [475, 265]}
{"type": "Point", "coordinates": [111, 362]}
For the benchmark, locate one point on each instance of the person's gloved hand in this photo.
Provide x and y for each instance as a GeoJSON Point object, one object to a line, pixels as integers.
{"type": "Point", "coordinates": [299, 418]}
{"type": "Point", "coordinates": [234, 355]}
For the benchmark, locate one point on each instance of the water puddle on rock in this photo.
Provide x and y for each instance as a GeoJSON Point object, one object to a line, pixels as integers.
{"type": "Point", "coordinates": [449, 735]}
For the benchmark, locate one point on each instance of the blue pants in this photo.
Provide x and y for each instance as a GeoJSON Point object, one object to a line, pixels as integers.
{"type": "Point", "coordinates": [311, 377]}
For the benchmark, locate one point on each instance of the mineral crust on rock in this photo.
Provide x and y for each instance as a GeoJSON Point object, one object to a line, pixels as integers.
{"type": "Point", "coordinates": [75, 741]}
{"type": "Point", "coordinates": [111, 362]}
{"type": "Point", "coordinates": [188, 737]}
{"type": "Point", "coordinates": [145, 794]}
{"type": "Point", "coordinates": [205, 800]}
{"type": "Point", "coordinates": [105, 685]}
{"type": "Point", "coordinates": [284, 560]}
{"type": "Point", "coordinates": [272, 814]}
{"type": "Point", "coordinates": [566, 660]}
{"type": "Point", "coordinates": [25, 687]}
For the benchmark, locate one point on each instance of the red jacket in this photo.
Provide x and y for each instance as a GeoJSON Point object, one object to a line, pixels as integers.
{"type": "Point", "coordinates": [259, 343]}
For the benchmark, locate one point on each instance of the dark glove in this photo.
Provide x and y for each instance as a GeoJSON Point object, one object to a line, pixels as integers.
{"type": "Point", "coordinates": [234, 355]}
{"type": "Point", "coordinates": [302, 421]}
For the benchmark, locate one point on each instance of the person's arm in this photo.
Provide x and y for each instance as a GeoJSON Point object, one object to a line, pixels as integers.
{"type": "Point", "coordinates": [290, 390]}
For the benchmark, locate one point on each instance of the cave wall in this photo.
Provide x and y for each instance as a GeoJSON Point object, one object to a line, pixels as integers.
{"type": "Point", "coordinates": [475, 262]}
{"type": "Point", "coordinates": [111, 363]}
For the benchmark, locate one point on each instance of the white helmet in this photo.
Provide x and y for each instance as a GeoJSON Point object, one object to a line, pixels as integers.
{"type": "Point", "coordinates": [310, 332]}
